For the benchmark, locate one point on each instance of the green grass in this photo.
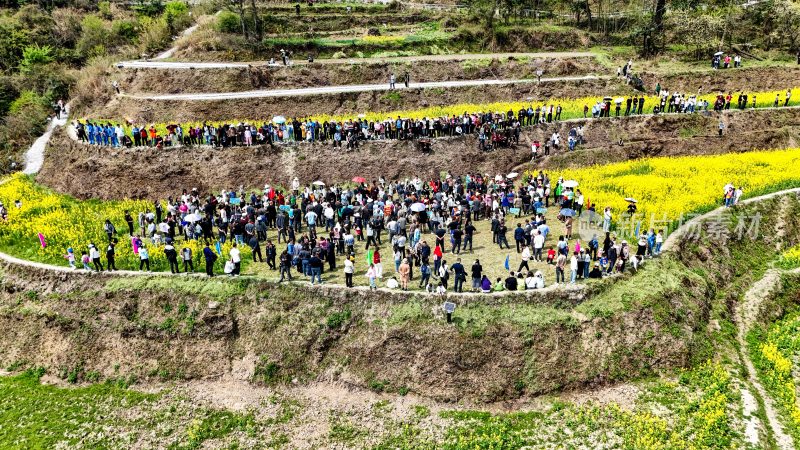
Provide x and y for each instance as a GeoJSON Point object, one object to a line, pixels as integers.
{"type": "Point", "coordinates": [658, 279]}
{"type": "Point", "coordinates": [40, 416]}
{"type": "Point", "coordinates": [699, 403]}
{"type": "Point", "coordinates": [106, 416]}
{"type": "Point", "coordinates": [221, 289]}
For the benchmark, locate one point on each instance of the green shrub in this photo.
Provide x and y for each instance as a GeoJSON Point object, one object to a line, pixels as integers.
{"type": "Point", "coordinates": [28, 101]}
{"type": "Point", "coordinates": [34, 56]}
{"type": "Point", "coordinates": [336, 320]}
{"type": "Point", "coordinates": [228, 22]}
{"type": "Point", "coordinates": [124, 31]}
{"type": "Point", "coordinates": [94, 37]}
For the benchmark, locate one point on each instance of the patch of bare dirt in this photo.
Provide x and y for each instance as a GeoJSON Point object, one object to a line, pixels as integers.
{"type": "Point", "coordinates": [624, 395]}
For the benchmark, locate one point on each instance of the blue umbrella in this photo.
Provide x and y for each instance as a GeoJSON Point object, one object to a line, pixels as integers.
{"type": "Point", "coordinates": [541, 210]}
{"type": "Point", "coordinates": [285, 208]}
{"type": "Point", "coordinates": [566, 212]}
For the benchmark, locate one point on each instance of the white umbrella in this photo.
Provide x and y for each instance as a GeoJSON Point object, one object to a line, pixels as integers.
{"type": "Point", "coordinates": [619, 100]}
{"type": "Point", "coordinates": [361, 116]}
{"type": "Point", "coordinates": [163, 227]}
{"type": "Point", "coordinates": [418, 207]}
{"type": "Point", "coordinates": [498, 178]}
{"type": "Point", "coordinates": [512, 175]}
{"type": "Point", "coordinates": [719, 53]}
{"type": "Point", "coordinates": [570, 184]}
{"type": "Point", "coordinates": [192, 217]}
{"type": "Point", "coordinates": [318, 183]}
{"type": "Point", "coordinates": [628, 199]}
{"type": "Point", "coordinates": [279, 119]}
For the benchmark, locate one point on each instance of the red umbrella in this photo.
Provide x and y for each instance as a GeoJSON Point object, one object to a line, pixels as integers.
{"type": "Point", "coordinates": [359, 180]}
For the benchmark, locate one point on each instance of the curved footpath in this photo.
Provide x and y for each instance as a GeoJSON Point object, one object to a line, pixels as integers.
{"type": "Point", "coordinates": [170, 65]}
{"type": "Point", "coordinates": [349, 89]}
{"type": "Point", "coordinates": [34, 157]}
{"type": "Point", "coordinates": [747, 313]}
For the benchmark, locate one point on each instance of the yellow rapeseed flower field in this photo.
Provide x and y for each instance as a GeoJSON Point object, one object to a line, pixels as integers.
{"type": "Point", "coordinates": [66, 222]}
{"type": "Point", "coordinates": [668, 188]}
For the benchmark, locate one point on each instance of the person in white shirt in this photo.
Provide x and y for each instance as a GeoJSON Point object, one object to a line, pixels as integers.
{"type": "Point", "coordinates": [349, 268]}
{"type": "Point", "coordinates": [538, 244]}
{"type": "Point", "coordinates": [659, 242]}
{"type": "Point", "coordinates": [236, 259]}
{"type": "Point", "coordinates": [539, 277]}
{"type": "Point", "coordinates": [530, 281]}
{"type": "Point", "coordinates": [573, 267]}
{"type": "Point", "coordinates": [392, 283]}
{"type": "Point", "coordinates": [526, 256]}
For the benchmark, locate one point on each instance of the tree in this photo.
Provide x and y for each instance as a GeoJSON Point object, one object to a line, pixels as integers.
{"type": "Point", "coordinates": [655, 30]}
{"type": "Point", "coordinates": [240, 4]}
{"type": "Point", "coordinates": [699, 30]}
{"type": "Point", "coordinates": [484, 11]}
{"type": "Point", "coordinates": [257, 21]}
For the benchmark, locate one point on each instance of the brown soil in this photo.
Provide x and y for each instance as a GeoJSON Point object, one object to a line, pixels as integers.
{"type": "Point", "coordinates": [730, 80]}
{"type": "Point", "coordinates": [206, 44]}
{"type": "Point", "coordinates": [159, 111]}
{"type": "Point", "coordinates": [121, 333]}
{"type": "Point", "coordinates": [147, 173]}
{"type": "Point", "coordinates": [161, 81]}
{"type": "Point", "coordinates": [676, 135]}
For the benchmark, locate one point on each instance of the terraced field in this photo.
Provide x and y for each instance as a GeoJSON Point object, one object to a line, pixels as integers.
{"type": "Point", "coordinates": [684, 335]}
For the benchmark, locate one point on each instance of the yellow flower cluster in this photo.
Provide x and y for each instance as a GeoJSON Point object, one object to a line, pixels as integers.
{"type": "Point", "coordinates": [667, 188]}
{"type": "Point", "coordinates": [790, 258]}
{"type": "Point", "coordinates": [700, 424]}
{"type": "Point", "coordinates": [65, 222]}
{"type": "Point", "coordinates": [572, 108]}
{"type": "Point", "coordinates": [773, 360]}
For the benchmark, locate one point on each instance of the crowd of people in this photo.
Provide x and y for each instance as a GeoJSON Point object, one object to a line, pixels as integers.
{"type": "Point", "coordinates": [348, 133]}
{"type": "Point", "coordinates": [492, 129]}
{"type": "Point", "coordinates": [308, 232]}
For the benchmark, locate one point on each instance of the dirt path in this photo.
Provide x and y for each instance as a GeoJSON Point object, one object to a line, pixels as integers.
{"type": "Point", "coordinates": [169, 65]}
{"type": "Point", "coordinates": [34, 157]}
{"type": "Point", "coordinates": [171, 51]}
{"type": "Point", "coordinates": [347, 89]}
{"type": "Point", "coordinates": [748, 313]}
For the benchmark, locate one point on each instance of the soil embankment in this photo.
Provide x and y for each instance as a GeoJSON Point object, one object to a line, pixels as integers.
{"type": "Point", "coordinates": [94, 172]}
{"type": "Point", "coordinates": [315, 75]}
{"type": "Point", "coordinates": [727, 80]}
{"type": "Point", "coordinates": [264, 333]}
{"type": "Point", "coordinates": [169, 111]}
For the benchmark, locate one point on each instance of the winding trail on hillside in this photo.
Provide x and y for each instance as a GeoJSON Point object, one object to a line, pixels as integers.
{"type": "Point", "coordinates": [322, 90]}
{"type": "Point", "coordinates": [747, 316]}
{"type": "Point", "coordinates": [156, 63]}
{"type": "Point", "coordinates": [34, 157]}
